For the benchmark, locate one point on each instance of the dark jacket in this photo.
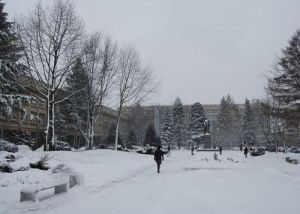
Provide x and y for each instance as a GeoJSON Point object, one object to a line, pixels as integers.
{"type": "Point", "coordinates": [246, 150]}
{"type": "Point", "coordinates": [158, 156]}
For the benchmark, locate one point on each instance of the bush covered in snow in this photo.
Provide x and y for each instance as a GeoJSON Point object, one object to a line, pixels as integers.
{"type": "Point", "coordinates": [7, 146]}
{"type": "Point", "coordinates": [61, 146]}
{"type": "Point", "coordinates": [6, 168]}
{"type": "Point", "coordinates": [41, 164]}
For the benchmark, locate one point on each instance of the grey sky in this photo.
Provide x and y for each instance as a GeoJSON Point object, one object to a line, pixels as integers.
{"type": "Point", "coordinates": [200, 50]}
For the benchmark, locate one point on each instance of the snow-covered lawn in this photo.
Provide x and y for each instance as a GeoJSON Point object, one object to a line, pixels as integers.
{"type": "Point", "coordinates": [120, 182]}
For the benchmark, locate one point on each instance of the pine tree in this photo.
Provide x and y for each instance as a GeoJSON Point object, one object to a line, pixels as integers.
{"type": "Point", "coordinates": [9, 48]}
{"type": "Point", "coordinates": [111, 135]}
{"type": "Point", "coordinates": [131, 138]}
{"type": "Point", "coordinates": [178, 122]}
{"type": "Point", "coordinates": [10, 100]}
{"type": "Point", "coordinates": [150, 137]}
{"type": "Point", "coordinates": [284, 87]}
{"type": "Point", "coordinates": [197, 123]}
{"type": "Point", "coordinates": [73, 113]}
{"type": "Point", "coordinates": [249, 124]}
{"type": "Point", "coordinates": [22, 137]}
{"type": "Point", "coordinates": [228, 123]}
{"type": "Point", "coordinates": [167, 129]}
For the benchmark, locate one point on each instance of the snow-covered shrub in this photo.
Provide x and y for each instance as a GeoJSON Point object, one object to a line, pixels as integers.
{"type": "Point", "coordinates": [7, 146]}
{"type": "Point", "coordinates": [6, 168]}
{"type": "Point", "coordinates": [215, 156]}
{"type": "Point", "coordinates": [41, 164]}
{"type": "Point", "coordinates": [61, 146]}
{"type": "Point", "coordinates": [10, 158]}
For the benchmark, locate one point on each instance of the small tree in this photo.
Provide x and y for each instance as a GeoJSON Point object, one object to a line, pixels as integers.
{"type": "Point", "coordinates": [249, 125]}
{"type": "Point", "coordinates": [197, 123]}
{"type": "Point", "coordinates": [150, 137]}
{"type": "Point", "coordinates": [131, 139]}
{"type": "Point", "coordinates": [167, 129]}
{"type": "Point", "coordinates": [178, 122]}
{"type": "Point", "coordinates": [110, 139]}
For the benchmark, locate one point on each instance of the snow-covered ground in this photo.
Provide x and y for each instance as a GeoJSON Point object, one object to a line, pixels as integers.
{"type": "Point", "coordinates": [120, 182]}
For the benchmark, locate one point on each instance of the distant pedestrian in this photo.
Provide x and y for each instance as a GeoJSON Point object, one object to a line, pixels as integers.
{"type": "Point", "coordinates": [241, 147]}
{"type": "Point", "coordinates": [192, 150]}
{"type": "Point", "coordinates": [169, 150]}
{"type": "Point", "coordinates": [220, 149]}
{"type": "Point", "coordinates": [246, 151]}
{"type": "Point", "coordinates": [158, 157]}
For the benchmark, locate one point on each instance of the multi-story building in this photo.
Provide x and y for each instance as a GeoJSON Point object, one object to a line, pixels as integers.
{"type": "Point", "coordinates": [35, 121]}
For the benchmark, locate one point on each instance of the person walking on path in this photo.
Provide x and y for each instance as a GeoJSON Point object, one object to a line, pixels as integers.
{"type": "Point", "coordinates": [192, 150]}
{"type": "Point", "coordinates": [158, 157]}
{"type": "Point", "coordinates": [246, 151]}
{"type": "Point", "coordinates": [220, 149]}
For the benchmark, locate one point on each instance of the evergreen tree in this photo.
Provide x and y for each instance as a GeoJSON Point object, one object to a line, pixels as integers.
{"type": "Point", "coordinates": [131, 138]}
{"type": "Point", "coordinates": [228, 123]}
{"type": "Point", "coordinates": [10, 100]}
{"type": "Point", "coordinates": [284, 87]}
{"type": "Point", "coordinates": [73, 113]}
{"type": "Point", "coordinates": [10, 51]}
{"type": "Point", "coordinates": [167, 129]}
{"type": "Point", "coordinates": [249, 124]}
{"type": "Point", "coordinates": [150, 137]}
{"type": "Point", "coordinates": [22, 137]}
{"type": "Point", "coordinates": [110, 139]}
{"type": "Point", "coordinates": [178, 122]}
{"type": "Point", "coordinates": [197, 123]}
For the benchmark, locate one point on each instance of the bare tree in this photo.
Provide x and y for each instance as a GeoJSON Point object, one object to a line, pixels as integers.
{"type": "Point", "coordinates": [99, 58]}
{"type": "Point", "coordinates": [134, 82]}
{"type": "Point", "coordinates": [49, 36]}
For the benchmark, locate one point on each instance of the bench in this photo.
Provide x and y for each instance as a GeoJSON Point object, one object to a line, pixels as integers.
{"type": "Point", "coordinates": [31, 194]}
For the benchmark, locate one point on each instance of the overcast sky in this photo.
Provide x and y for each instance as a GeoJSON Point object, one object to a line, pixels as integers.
{"type": "Point", "coordinates": [200, 50]}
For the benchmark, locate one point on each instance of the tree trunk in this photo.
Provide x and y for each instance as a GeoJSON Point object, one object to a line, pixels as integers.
{"type": "Point", "coordinates": [117, 131]}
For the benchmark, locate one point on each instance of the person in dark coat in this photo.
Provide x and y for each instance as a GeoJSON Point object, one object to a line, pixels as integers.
{"type": "Point", "coordinates": [158, 157]}
{"type": "Point", "coordinates": [246, 151]}
{"type": "Point", "coordinates": [220, 149]}
{"type": "Point", "coordinates": [192, 150]}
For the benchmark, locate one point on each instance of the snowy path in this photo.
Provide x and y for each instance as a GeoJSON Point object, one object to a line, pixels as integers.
{"type": "Point", "coordinates": [191, 185]}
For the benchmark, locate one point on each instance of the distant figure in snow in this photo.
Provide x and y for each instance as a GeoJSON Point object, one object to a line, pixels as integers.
{"type": "Point", "coordinates": [192, 150]}
{"type": "Point", "coordinates": [220, 149]}
{"type": "Point", "coordinates": [169, 150]}
{"type": "Point", "coordinates": [241, 147]}
{"type": "Point", "coordinates": [246, 151]}
{"type": "Point", "coordinates": [158, 157]}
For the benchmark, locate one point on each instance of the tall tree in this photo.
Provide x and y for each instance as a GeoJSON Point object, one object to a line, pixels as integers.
{"type": "Point", "coordinates": [178, 122]}
{"type": "Point", "coordinates": [167, 129]}
{"type": "Point", "coordinates": [134, 81]}
{"type": "Point", "coordinates": [139, 121]}
{"type": "Point", "coordinates": [73, 109]}
{"type": "Point", "coordinates": [99, 57]}
{"type": "Point", "coordinates": [49, 37]}
{"type": "Point", "coordinates": [11, 100]}
{"type": "Point", "coordinates": [228, 123]}
{"type": "Point", "coordinates": [284, 86]}
{"type": "Point", "coordinates": [197, 123]}
{"type": "Point", "coordinates": [249, 124]}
